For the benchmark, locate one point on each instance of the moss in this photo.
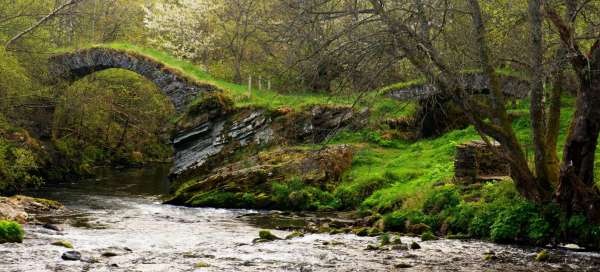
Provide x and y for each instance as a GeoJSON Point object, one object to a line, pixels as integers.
{"type": "Point", "coordinates": [201, 265]}
{"type": "Point", "coordinates": [11, 232]}
{"type": "Point", "coordinates": [210, 101]}
{"type": "Point", "coordinates": [374, 232]}
{"type": "Point", "coordinates": [542, 256]}
{"type": "Point", "coordinates": [294, 234]}
{"type": "Point", "coordinates": [267, 235]}
{"type": "Point", "coordinates": [361, 231]}
{"type": "Point", "coordinates": [428, 236]}
{"type": "Point", "coordinates": [395, 221]}
{"type": "Point", "coordinates": [63, 243]}
{"type": "Point", "coordinates": [385, 239]}
{"type": "Point", "coordinates": [372, 247]}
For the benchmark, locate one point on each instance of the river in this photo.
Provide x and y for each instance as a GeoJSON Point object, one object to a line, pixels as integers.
{"type": "Point", "coordinates": [117, 223]}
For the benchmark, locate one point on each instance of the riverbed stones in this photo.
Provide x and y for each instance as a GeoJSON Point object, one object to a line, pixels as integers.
{"type": "Point", "coordinates": [71, 256]}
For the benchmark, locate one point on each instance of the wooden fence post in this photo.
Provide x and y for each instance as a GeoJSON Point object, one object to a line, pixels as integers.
{"type": "Point", "coordinates": [249, 86]}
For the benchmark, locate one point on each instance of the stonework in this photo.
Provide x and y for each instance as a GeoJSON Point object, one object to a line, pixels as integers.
{"type": "Point", "coordinates": [475, 82]}
{"type": "Point", "coordinates": [179, 88]}
{"type": "Point", "coordinates": [476, 161]}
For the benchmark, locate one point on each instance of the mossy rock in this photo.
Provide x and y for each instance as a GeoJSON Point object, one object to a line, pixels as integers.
{"type": "Point", "coordinates": [418, 229]}
{"type": "Point", "coordinates": [11, 232]}
{"type": "Point", "coordinates": [361, 231]}
{"type": "Point", "coordinates": [385, 239]}
{"type": "Point", "coordinates": [489, 256]}
{"type": "Point", "coordinates": [201, 265]}
{"type": "Point", "coordinates": [428, 236]}
{"type": "Point", "coordinates": [372, 247]}
{"type": "Point", "coordinates": [267, 235]}
{"type": "Point", "coordinates": [542, 256]}
{"type": "Point", "coordinates": [374, 232]}
{"type": "Point", "coordinates": [294, 234]}
{"type": "Point", "coordinates": [63, 243]}
{"type": "Point", "coordinates": [415, 245]}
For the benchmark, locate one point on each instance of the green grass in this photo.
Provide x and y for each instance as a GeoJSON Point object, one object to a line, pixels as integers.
{"type": "Point", "coordinates": [394, 174]}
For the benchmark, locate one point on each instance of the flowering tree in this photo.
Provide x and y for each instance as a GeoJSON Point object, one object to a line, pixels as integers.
{"type": "Point", "coordinates": [183, 27]}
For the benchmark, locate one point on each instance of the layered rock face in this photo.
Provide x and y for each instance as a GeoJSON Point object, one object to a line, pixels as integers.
{"type": "Point", "coordinates": [215, 132]}
{"type": "Point", "coordinates": [224, 156]}
{"type": "Point", "coordinates": [248, 183]}
{"type": "Point", "coordinates": [179, 88]}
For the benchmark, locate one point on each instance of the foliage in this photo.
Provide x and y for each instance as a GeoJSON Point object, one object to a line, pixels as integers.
{"type": "Point", "coordinates": [296, 195]}
{"type": "Point", "coordinates": [18, 161]}
{"type": "Point", "coordinates": [127, 110]}
{"type": "Point", "coordinates": [11, 232]}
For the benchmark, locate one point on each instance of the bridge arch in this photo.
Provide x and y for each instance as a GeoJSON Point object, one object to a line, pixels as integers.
{"type": "Point", "coordinates": [180, 89]}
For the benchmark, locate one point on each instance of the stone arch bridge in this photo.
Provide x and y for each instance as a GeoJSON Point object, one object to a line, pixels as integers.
{"type": "Point", "coordinates": [180, 89]}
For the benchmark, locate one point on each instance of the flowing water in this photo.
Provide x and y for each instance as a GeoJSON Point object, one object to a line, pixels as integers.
{"type": "Point", "coordinates": [118, 224]}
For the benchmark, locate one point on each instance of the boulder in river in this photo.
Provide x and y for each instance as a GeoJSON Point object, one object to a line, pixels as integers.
{"type": "Point", "coordinates": [71, 256]}
{"type": "Point", "coordinates": [415, 245]}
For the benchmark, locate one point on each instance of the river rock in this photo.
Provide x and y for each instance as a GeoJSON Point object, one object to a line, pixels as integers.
{"type": "Point", "coordinates": [71, 256]}
{"type": "Point", "coordinates": [415, 245]}
{"type": "Point", "coordinates": [52, 227]}
{"type": "Point", "coordinates": [19, 208]}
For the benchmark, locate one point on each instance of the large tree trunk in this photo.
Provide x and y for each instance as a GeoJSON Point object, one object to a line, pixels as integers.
{"type": "Point", "coordinates": [577, 191]}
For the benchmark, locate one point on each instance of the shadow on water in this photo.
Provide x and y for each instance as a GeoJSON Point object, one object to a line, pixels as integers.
{"type": "Point", "coordinates": [109, 182]}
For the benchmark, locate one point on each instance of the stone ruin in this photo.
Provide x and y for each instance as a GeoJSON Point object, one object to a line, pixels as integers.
{"type": "Point", "coordinates": [475, 161]}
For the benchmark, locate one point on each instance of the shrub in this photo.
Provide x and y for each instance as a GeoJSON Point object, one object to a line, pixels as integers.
{"type": "Point", "coordinates": [11, 232]}
{"type": "Point", "coordinates": [512, 223]}
{"type": "Point", "coordinates": [296, 195]}
{"type": "Point", "coordinates": [428, 236]}
{"type": "Point", "coordinates": [482, 221]}
{"type": "Point", "coordinates": [462, 217]}
{"type": "Point", "coordinates": [441, 199]}
{"type": "Point", "coordinates": [395, 221]}
{"type": "Point", "coordinates": [353, 195]}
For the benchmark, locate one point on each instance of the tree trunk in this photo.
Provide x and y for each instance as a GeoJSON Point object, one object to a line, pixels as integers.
{"type": "Point", "coordinates": [577, 191]}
